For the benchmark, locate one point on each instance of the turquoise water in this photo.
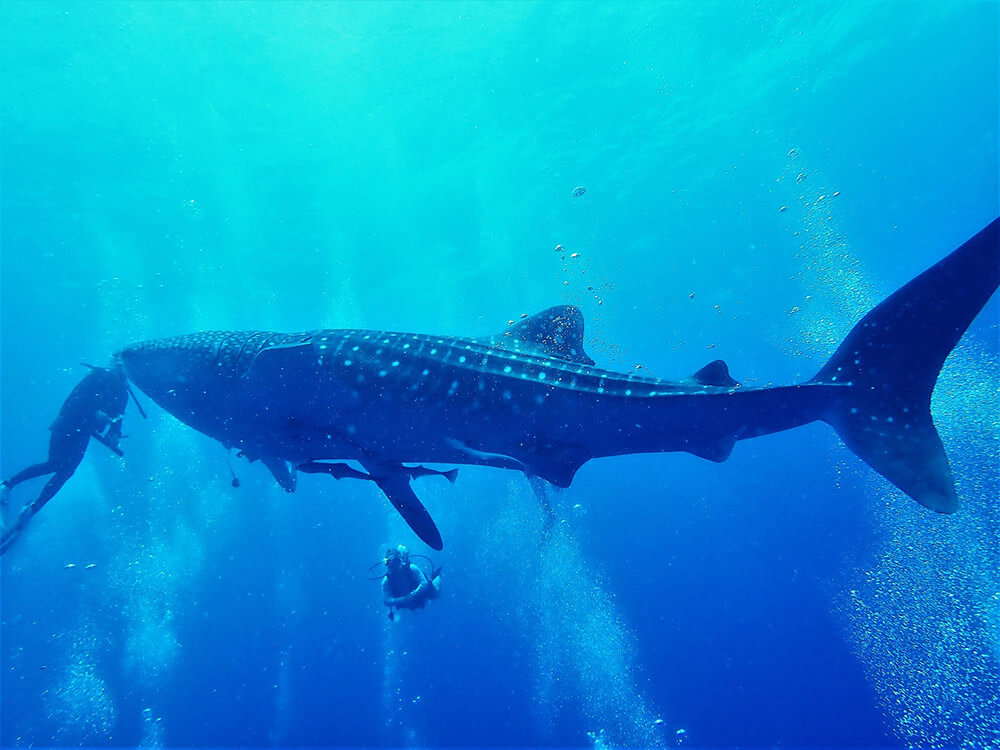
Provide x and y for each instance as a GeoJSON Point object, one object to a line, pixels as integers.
{"type": "Point", "coordinates": [757, 176]}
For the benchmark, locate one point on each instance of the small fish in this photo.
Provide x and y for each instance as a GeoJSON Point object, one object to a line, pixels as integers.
{"type": "Point", "coordinates": [67, 566]}
{"type": "Point", "coordinates": [578, 191]}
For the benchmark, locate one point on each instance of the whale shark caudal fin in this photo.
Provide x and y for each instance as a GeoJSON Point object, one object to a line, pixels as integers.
{"type": "Point", "coordinates": [889, 364]}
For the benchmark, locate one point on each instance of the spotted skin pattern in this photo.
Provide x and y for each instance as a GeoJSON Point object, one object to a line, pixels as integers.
{"type": "Point", "coordinates": [530, 399]}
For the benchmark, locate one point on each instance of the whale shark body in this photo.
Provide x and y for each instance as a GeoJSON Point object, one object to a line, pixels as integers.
{"type": "Point", "coordinates": [531, 399]}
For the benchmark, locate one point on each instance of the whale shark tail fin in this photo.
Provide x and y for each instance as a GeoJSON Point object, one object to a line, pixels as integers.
{"type": "Point", "coordinates": [890, 361]}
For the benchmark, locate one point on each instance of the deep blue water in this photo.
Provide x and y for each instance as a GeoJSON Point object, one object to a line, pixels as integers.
{"type": "Point", "coordinates": [757, 176]}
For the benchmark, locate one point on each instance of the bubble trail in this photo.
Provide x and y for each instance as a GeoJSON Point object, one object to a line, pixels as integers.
{"type": "Point", "coordinates": [82, 708]}
{"type": "Point", "coordinates": [924, 619]}
{"type": "Point", "coordinates": [584, 651]}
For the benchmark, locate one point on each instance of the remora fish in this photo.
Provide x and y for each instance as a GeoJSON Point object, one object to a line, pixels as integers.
{"type": "Point", "coordinates": [530, 399]}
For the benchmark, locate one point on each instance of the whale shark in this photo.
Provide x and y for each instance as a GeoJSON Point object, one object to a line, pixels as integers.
{"type": "Point", "coordinates": [530, 398]}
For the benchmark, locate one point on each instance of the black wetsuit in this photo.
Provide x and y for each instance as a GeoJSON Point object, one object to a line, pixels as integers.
{"type": "Point", "coordinates": [92, 409]}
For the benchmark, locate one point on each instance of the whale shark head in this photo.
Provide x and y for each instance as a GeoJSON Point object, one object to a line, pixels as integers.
{"type": "Point", "coordinates": [185, 374]}
{"type": "Point", "coordinates": [165, 367]}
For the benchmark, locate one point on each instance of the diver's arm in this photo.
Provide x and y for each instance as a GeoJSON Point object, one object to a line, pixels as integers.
{"type": "Point", "coordinates": [110, 435]}
{"type": "Point", "coordinates": [110, 443]}
{"type": "Point", "coordinates": [418, 594]}
{"type": "Point", "coordinates": [415, 595]}
{"type": "Point", "coordinates": [388, 599]}
{"type": "Point", "coordinates": [424, 584]}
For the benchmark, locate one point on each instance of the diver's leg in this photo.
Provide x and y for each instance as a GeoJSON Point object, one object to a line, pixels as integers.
{"type": "Point", "coordinates": [66, 450]}
{"type": "Point", "coordinates": [35, 470]}
{"type": "Point", "coordinates": [48, 492]}
{"type": "Point", "coordinates": [51, 488]}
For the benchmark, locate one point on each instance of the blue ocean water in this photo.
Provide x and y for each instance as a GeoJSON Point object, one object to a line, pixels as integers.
{"type": "Point", "coordinates": [757, 175]}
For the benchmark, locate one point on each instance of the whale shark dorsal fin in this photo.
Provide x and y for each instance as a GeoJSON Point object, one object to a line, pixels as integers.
{"type": "Point", "coordinates": [555, 332]}
{"type": "Point", "coordinates": [715, 373]}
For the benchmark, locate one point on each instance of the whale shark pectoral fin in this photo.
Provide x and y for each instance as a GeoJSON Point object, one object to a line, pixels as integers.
{"type": "Point", "coordinates": [394, 481]}
{"type": "Point", "coordinates": [281, 473]}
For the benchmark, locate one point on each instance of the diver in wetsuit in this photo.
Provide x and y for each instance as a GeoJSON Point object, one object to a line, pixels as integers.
{"type": "Point", "coordinates": [93, 409]}
{"type": "Point", "coordinates": [406, 586]}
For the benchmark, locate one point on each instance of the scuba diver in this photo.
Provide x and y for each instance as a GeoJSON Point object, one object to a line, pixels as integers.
{"type": "Point", "coordinates": [93, 409]}
{"type": "Point", "coordinates": [406, 586]}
